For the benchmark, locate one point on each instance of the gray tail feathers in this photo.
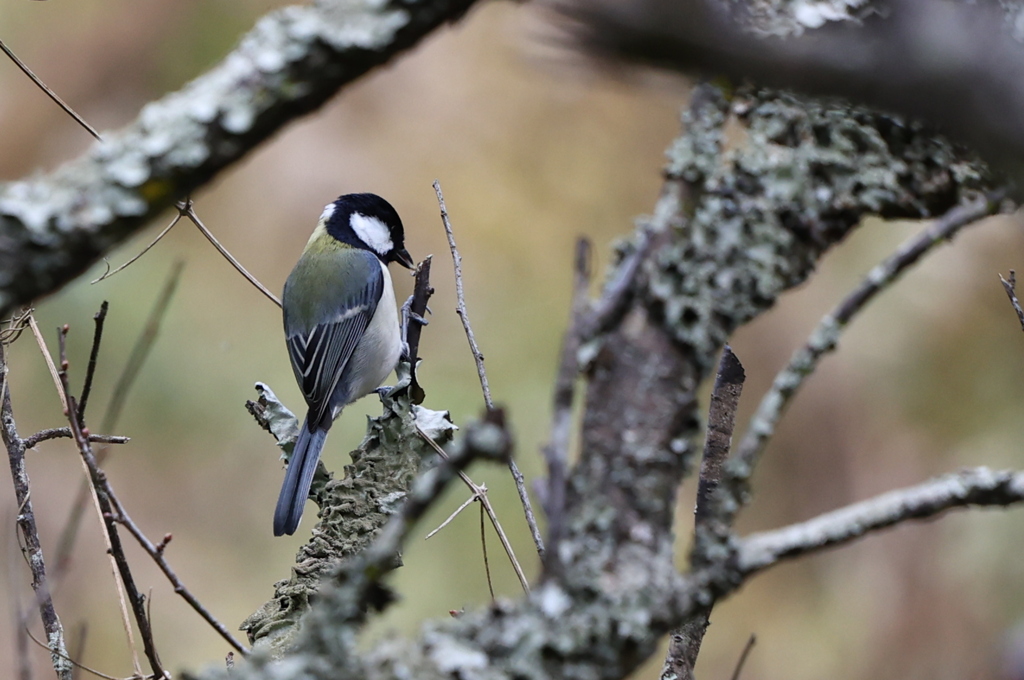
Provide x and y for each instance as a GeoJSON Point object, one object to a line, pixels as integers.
{"type": "Point", "coordinates": [297, 479]}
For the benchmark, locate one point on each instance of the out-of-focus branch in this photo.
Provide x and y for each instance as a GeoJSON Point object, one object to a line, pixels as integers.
{"type": "Point", "coordinates": [53, 227]}
{"type": "Point", "coordinates": [556, 451]}
{"type": "Point", "coordinates": [958, 65]}
{"type": "Point", "coordinates": [825, 337]}
{"type": "Point", "coordinates": [27, 525]}
{"type": "Point", "coordinates": [969, 487]}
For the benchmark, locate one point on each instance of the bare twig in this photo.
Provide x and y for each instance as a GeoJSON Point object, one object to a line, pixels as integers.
{"type": "Point", "coordinates": [79, 648]}
{"type": "Point", "coordinates": [483, 549]}
{"type": "Point", "coordinates": [15, 326]}
{"type": "Point", "coordinates": [136, 358]}
{"type": "Point", "coordinates": [751, 641]}
{"type": "Point", "coordinates": [58, 432]}
{"type": "Point", "coordinates": [969, 487]}
{"type": "Point", "coordinates": [480, 494]}
{"type": "Point", "coordinates": [452, 516]}
{"type": "Point", "coordinates": [99, 482]}
{"type": "Point", "coordinates": [99, 318]}
{"type": "Point", "coordinates": [187, 209]}
{"type": "Point", "coordinates": [48, 359]}
{"type": "Point", "coordinates": [478, 357]}
{"type": "Point", "coordinates": [49, 93]}
{"type": "Point", "coordinates": [156, 551]}
{"type": "Point", "coordinates": [75, 664]}
{"type": "Point", "coordinates": [1011, 292]}
{"type": "Point", "coordinates": [107, 274]}
{"type": "Point", "coordinates": [826, 335]}
{"type": "Point", "coordinates": [27, 525]}
{"type": "Point", "coordinates": [556, 452]}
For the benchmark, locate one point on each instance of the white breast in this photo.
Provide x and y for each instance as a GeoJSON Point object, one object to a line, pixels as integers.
{"type": "Point", "coordinates": [380, 347]}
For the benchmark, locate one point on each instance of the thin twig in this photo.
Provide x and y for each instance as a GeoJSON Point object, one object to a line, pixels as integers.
{"type": "Point", "coordinates": [41, 342]}
{"type": "Point", "coordinates": [751, 641]}
{"type": "Point", "coordinates": [156, 551]}
{"type": "Point", "coordinates": [480, 493]}
{"type": "Point", "coordinates": [1011, 291]}
{"type": "Point", "coordinates": [49, 93]}
{"type": "Point", "coordinates": [74, 663]}
{"type": "Point", "coordinates": [452, 516]}
{"type": "Point", "coordinates": [107, 274]}
{"type": "Point", "coordinates": [58, 432]}
{"type": "Point", "coordinates": [826, 335]}
{"type": "Point", "coordinates": [478, 357]}
{"type": "Point", "coordinates": [99, 318]}
{"type": "Point", "coordinates": [99, 482]}
{"type": "Point", "coordinates": [27, 525]}
{"type": "Point", "coordinates": [969, 487]}
{"type": "Point", "coordinates": [15, 325]}
{"type": "Point", "coordinates": [61, 564]}
{"type": "Point", "coordinates": [136, 358]}
{"type": "Point", "coordinates": [488, 439]}
{"type": "Point", "coordinates": [79, 651]}
{"type": "Point", "coordinates": [21, 644]}
{"type": "Point", "coordinates": [483, 548]}
{"type": "Point", "coordinates": [556, 452]}
{"type": "Point", "coordinates": [187, 209]}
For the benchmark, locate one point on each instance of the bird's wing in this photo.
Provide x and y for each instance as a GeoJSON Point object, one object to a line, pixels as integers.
{"type": "Point", "coordinates": [320, 352]}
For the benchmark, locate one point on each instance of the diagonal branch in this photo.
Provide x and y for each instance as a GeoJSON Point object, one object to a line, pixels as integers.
{"type": "Point", "coordinates": [969, 487]}
{"type": "Point", "coordinates": [295, 59]}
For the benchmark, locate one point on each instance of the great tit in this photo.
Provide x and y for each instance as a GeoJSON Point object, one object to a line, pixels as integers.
{"type": "Point", "coordinates": [340, 326]}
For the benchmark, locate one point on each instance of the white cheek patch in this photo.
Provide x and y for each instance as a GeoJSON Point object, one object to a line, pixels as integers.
{"type": "Point", "coordinates": [372, 232]}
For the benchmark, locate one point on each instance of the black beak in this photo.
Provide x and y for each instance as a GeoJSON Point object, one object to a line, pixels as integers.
{"type": "Point", "coordinates": [402, 257]}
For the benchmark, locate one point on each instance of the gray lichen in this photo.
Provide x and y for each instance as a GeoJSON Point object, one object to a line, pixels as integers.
{"type": "Point", "coordinates": [353, 509]}
{"type": "Point", "coordinates": [761, 212]}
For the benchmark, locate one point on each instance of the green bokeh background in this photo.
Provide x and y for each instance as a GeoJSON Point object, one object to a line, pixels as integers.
{"type": "Point", "coordinates": [533, 147]}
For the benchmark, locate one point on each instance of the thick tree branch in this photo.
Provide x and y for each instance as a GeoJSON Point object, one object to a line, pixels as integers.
{"type": "Point", "coordinates": [53, 227]}
{"type": "Point", "coordinates": [958, 65]}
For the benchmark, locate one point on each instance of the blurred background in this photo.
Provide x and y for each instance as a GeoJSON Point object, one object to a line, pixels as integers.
{"type": "Point", "coordinates": [532, 148]}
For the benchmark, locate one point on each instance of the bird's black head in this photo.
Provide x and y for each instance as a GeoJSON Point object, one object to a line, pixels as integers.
{"type": "Point", "coordinates": [369, 222]}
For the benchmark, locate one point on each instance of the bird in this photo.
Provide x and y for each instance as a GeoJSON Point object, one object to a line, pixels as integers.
{"type": "Point", "coordinates": [341, 327]}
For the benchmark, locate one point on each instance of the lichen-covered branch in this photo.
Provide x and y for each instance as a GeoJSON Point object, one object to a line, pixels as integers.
{"type": "Point", "coordinates": [54, 226]}
{"type": "Point", "coordinates": [969, 487]}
